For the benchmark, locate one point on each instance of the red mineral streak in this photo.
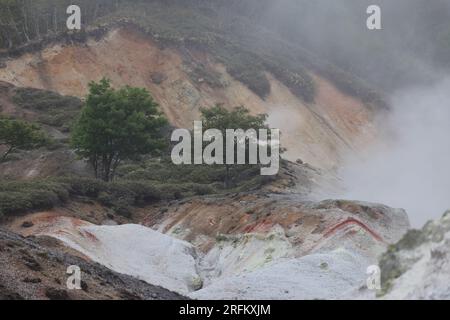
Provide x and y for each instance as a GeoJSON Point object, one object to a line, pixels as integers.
{"type": "Point", "coordinates": [352, 221]}
{"type": "Point", "coordinates": [263, 226]}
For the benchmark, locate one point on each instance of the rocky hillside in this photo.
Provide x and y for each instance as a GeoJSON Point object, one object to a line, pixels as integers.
{"type": "Point", "coordinates": [250, 246]}
{"type": "Point", "coordinates": [183, 80]}
{"type": "Point", "coordinates": [417, 267]}
{"type": "Point", "coordinates": [229, 245]}
{"type": "Point", "coordinates": [195, 56]}
{"type": "Point", "coordinates": [178, 227]}
{"type": "Point", "coordinates": [54, 113]}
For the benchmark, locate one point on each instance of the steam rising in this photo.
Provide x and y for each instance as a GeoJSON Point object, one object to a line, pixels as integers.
{"type": "Point", "coordinates": [412, 171]}
{"type": "Point", "coordinates": [410, 168]}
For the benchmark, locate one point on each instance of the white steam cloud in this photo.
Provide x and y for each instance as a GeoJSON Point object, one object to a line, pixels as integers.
{"type": "Point", "coordinates": [412, 169]}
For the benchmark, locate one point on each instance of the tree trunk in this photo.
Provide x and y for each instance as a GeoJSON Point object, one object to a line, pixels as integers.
{"type": "Point", "coordinates": [13, 23]}
{"type": "Point", "coordinates": [106, 164]}
{"type": "Point", "coordinates": [38, 31]}
{"type": "Point", "coordinates": [94, 162]}
{"type": "Point", "coordinates": [55, 20]}
{"type": "Point", "coordinates": [25, 23]}
{"type": "Point", "coordinates": [6, 154]}
{"type": "Point", "coordinates": [227, 176]}
{"type": "Point", "coordinates": [115, 164]}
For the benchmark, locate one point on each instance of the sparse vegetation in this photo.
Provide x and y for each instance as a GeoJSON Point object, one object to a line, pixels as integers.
{"type": "Point", "coordinates": [17, 134]}
{"type": "Point", "coordinates": [25, 21]}
{"type": "Point", "coordinates": [205, 177]}
{"type": "Point", "coordinates": [244, 58]}
{"type": "Point", "coordinates": [122, 195]}
{"type": "Point", "coordinates": [246, 48]}
{"type": "Point", "coordinates": [21, 196]}
{"type": "Point", "coordinates": [137, 185]}
{"type": "Point", "coordinates": [200, 74]}
{"type": "Point", "coordinates": [240, 118]}
{"type": "Point", "coordinates": [51, 108]}
{"type": "Point", "coordinates": [141, 180]}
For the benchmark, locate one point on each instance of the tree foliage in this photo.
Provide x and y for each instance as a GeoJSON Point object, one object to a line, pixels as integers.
{"type": "Point", "coordinates": [222, 119]}
{"type": "Point", "coordinates": [25, 20]}
{"type": "Point", "coordinates": [218, 117]}
{"type": "Point", "coordinates": [17, 134]}
{"type": "Point", "coordinates": [117, 125]}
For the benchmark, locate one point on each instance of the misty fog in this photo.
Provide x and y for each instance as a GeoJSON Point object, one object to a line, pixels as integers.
{"type": "Point", "coordinates": [411, 169]}
{"type": "Point", "coordinates": [415, 36]}
{"type": "Point", "coordinates": [408, 62]}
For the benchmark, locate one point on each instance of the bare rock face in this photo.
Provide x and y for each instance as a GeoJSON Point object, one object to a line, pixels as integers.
{"type": "Point", "coordinates": [35, 268]}
{"type": "Point", "coordinates": [418, 266]}
{"type": "Point", "coordinates": [133, 250]}
{"type": "Point", "coordinates": [246, 246]}
{"type": "Point", "coordinates": [279, 247]}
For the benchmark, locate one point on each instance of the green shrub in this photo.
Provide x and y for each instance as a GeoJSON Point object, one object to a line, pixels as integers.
{"type": "Point", "coordinates": [131, 193]}
{"type": "Point", "coordinates": [18, 197]}
{"type": "Point", "coordinates": [52, 108]}
{"type": "Point", "coordinates": [122, 208]}
{"type": "Point", "coordinates": [137, 185]}
{"type": "Point", "coordinates": [106, 199]}
{"type": "Point", "coordinates": [41, 100]}
{"type": "Point", "coordinates": [85, 187]}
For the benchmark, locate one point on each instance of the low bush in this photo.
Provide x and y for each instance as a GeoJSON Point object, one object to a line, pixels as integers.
{"type": "Point", "coordinates": [137, 185]}
{"type": "Point", "coordinates": [17, 197]}
{"type": "Point", "coordinates": [123, 194]}
{"type": "Point", "coordinates": [51, 108]}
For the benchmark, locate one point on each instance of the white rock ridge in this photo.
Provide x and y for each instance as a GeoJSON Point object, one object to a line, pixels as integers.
{"type": "Point", "coordinates": [133, 250]}
{"type": "Point", "coordinates": [324, 254]}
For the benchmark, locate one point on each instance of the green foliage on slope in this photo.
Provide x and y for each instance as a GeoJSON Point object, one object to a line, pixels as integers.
{"type": "Point", "coordinates": [17, 134]}
{"type": "Point", "coordinates": [236, 44]}
{"type": "Point", "coordinates": [117, 125]}
{"type": "Point", "coordinates": [51, 108]}
{"type": "Point", "coordinates": [138, 184]}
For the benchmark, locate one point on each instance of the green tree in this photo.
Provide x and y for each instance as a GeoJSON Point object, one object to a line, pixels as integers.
{"type": "Point", "coordinates": [17, 134]}
{"type": "Point", "coordinates": [239, 118]}
{"type": "Point", "coordinates": [117, 125]}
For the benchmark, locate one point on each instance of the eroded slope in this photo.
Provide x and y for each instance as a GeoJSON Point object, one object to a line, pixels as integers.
{"type": "Point", "coordinates": [183, 80]}
{"type": "Point", "coordinates": [251, 246]}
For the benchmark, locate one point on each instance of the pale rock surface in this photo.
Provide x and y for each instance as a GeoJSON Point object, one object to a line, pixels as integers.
{"type": "Point", "coordinates": [418, 267]}
{"type": "Point", "coordinates": [324, 255]}
{"type": "Point", "coordinates": [133, 250]}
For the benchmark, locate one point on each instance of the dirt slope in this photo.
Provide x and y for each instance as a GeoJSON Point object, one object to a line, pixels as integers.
{"type": "Point", "coordinates": [320, 133]}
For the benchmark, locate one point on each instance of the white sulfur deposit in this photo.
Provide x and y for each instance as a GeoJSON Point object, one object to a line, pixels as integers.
{"type": "Point", "coordinates": [137, 251]}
